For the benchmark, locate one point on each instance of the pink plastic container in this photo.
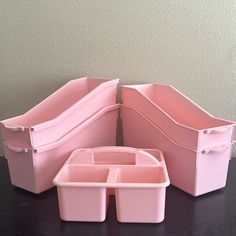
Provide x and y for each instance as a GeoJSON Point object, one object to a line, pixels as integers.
{"type": "Point", "coordinates": [62, 111]}
{"type": "Point", "coordinates": [33, 169]}
{"type": "Point", "coordinates": [195, 172]}
{"type": "Point", "coordinates": [139, 178]}
{"type": "Point", "coordinates": [179, 117]}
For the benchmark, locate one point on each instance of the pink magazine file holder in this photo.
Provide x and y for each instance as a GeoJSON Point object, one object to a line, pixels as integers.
{"type": "Point", "coordinates": [194, 171]}
{"type": "Point", "coordinates": [138, 177]}
{"type": "Point", "coordinates": [180, 118]}
{"type": "Point", "coordinates": [33, 169]}
{"type": "Point", "coordinates": [62, 111]}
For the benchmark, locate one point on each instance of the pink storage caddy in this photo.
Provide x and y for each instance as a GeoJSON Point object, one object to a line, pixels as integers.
{"type": "Point", "coordinates": [60, 112]}
{"type": "Point", "coordinates": [179, 117]}
{"type": "Point", "coordinates": [195, 172]}
{"type": "Point", "coordinates": [138, 177]}
{"type": "Point", "coordinates": [33, 169]}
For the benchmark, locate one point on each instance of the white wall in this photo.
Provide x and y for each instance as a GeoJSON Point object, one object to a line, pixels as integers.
{"type": "Point", "coordinates": [189, 44]}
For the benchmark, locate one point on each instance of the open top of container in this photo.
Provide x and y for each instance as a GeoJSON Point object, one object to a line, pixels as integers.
{"type": "Point", "coordinates": [178, 107]}
{"type": "Point", "coordinates": [60, 102]}
{"type": "Point", "coordinates": [60, 113]}
{"type": "Point", "coordinates": [177, 116]}
{"type": "Point", "coordinates": [114, 167]}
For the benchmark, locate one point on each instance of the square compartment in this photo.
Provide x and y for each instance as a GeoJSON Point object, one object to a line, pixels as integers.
{"type": "Point", "coordinates": [77, 200]}
{"type": "Point", "coordinates": [137, 202]}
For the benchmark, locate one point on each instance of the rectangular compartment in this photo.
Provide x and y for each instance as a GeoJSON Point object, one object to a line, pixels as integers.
{"type": "Point", "coordinates": [195, 172]}
{"type": "Point", "coordinates": [140, 194]}
{"type": "Point", "coordinates": [84, 174]}
{"type": "Point", "coordinates": [34, 169]}
{"type": "Point", "coordinates": [82, 202]}
{"type": "Point", "coordinates": [180, 118]}
{"type": "Point", "coordinates": [59, 113]}
{"type": "Point", "coordinates": [142, 174]}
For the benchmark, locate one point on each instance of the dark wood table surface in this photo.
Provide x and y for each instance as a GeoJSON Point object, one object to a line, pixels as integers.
{"type": "Point", "coordinates": [24, 213]}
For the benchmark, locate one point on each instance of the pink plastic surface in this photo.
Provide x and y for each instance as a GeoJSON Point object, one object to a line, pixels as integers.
{"type": "Point", "coordinates": [139, 178]}
{"type": "Point", "coordinates": [179, 117]}
{"type": "Point", "coordinates": [195, 172]}
{"type": "Point", "coordinates": [62, 111]}
{"type": "Point", "coordinates": [34, 169]}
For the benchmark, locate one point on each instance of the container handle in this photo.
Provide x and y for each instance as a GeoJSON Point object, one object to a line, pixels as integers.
{"type": "Point", "coordinates": [220, 130]}
{"type": "Point", "coordinates": [87, 156]}
{"type": "Point", "coordinates": [141, 158]}
{"type": "Point", "coordinates": [217, 149]}
{"type": "Point", "coordinates": [16, 149]}
{"type": "Point", "coordinates": [13, 128]}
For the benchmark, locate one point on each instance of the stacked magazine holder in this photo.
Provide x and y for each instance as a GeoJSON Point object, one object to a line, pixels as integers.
{"type": "Point", "coordinates": [38, 142]}
{"type": "Point", "coordinates": [196, 145]}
